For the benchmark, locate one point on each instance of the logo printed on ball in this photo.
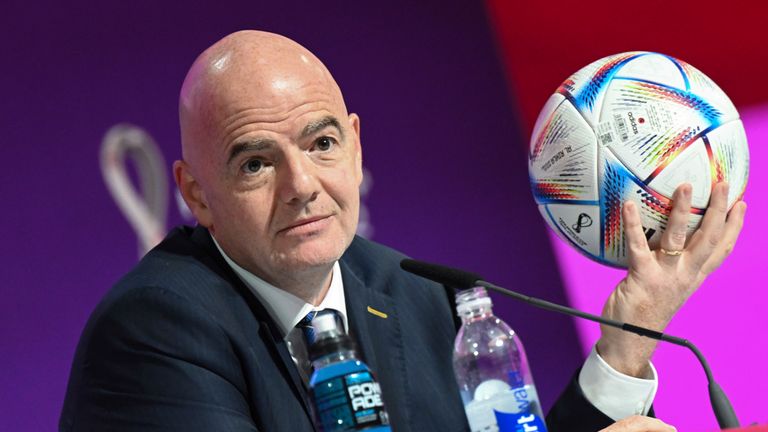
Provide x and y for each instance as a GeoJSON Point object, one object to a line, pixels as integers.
{"type": "Point", "coordinates": [632, 122]}
{"type": "Point", "coordinates": [583, 222]}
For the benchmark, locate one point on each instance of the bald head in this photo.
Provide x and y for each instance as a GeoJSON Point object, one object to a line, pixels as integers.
{"type": "Point", "coordinates": [243, 67]}
{"type": "Point", "coordinates": [271, 159]}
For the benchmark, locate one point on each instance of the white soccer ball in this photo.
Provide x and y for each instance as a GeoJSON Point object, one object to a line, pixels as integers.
{"type": "Point", "coordinates": [632, 126]}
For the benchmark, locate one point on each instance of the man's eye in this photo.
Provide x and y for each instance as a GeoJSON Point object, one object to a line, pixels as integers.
{"type": "Point", "coordinates": [253, 166]}
{"type": "Point", "coordinates": [324, 143]}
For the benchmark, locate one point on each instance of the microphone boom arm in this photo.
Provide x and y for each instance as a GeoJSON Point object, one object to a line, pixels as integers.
{"type": "Point", "coordinates": [726, 417]}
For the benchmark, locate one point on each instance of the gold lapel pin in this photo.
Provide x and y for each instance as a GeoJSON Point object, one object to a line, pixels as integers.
{"type": "Point", "coordinates": [378, 313]}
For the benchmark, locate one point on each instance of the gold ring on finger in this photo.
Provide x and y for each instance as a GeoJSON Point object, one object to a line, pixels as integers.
{"type": "Point", "coordinates": [671, 252]}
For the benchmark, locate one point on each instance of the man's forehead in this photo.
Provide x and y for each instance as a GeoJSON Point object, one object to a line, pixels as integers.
{"type": "Point", "coordinates": [290, 113]}
{"type": "Point", "coordinates": [305, 127]}
{"type": "Point", "coordinates": [256, 142]}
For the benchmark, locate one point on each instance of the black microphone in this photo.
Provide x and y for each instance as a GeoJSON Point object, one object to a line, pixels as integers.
{"type": "Point", "coordinates": [450, 276]}
{"type": "Point", "coordinates": [460, 279]}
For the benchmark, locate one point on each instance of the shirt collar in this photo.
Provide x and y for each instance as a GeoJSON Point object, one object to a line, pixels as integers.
{"type": "Point", "coordinates": [285, 308]}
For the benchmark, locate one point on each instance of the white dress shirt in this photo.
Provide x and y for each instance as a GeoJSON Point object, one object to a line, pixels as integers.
{"type": "Point", "coordinates": [285, 308]}
{"type": "Point", "coordinates": [616, 395]}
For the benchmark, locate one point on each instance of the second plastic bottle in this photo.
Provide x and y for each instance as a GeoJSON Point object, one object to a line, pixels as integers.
{"type": "Point", "coordinates": [492, 371]}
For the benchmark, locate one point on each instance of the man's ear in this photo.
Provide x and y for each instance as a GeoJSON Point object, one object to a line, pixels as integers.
{"type": "Point", "coordinates": [354, 123]}
{"type": "Point", "coordinates": [192, 193]}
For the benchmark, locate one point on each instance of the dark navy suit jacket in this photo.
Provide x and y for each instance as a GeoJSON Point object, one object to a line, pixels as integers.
{"type": "Point", "coordinates": [181, 344]}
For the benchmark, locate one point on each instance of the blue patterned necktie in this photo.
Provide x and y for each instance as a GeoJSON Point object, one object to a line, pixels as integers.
{"type": "Point", "coordinates": [306, 327]}
{"type": "Point", "coordinates": [303, 335]}
{"type": "Point", "coordinates": [299, 340]}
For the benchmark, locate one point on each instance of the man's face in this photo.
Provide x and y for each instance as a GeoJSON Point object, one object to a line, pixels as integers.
{"type": "Point", "coordinates": [281, 182]}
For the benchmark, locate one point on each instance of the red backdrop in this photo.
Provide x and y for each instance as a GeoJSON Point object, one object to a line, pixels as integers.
{"type": "Point", "coordinates": [542, 43]}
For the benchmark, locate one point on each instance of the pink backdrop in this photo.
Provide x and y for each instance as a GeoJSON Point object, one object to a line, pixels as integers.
{"type": "Point", "coordinates": [726, 318]}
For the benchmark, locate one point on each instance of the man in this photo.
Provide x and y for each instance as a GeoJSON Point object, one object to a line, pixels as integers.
{"type": "Point", "coordinates": [196, 337]}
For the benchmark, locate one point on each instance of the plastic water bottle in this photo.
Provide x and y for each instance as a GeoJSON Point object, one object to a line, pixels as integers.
{"type": "Point", "coordinates": [344, 391]}
{"type": "Point", "coordinates": [492, 370]}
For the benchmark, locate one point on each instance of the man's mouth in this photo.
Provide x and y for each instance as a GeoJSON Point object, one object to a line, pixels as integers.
{"type": "Point", "coordinates": [306, 225]}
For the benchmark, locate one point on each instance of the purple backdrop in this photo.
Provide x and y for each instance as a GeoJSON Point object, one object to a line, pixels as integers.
{"type": "Point", "coordinates": [440, 140]}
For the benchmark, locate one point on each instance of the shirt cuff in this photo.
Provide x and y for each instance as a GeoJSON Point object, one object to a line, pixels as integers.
{"type": "Point", "coordinates": [616, 395]}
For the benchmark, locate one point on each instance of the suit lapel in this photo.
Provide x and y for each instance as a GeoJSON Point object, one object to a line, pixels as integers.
{"type": "Point", "coordinates": [288, 366]}
{"type": "Point", "coordinates": [267, 327]}
{"type": "Point", "coordinates": [374, 325]}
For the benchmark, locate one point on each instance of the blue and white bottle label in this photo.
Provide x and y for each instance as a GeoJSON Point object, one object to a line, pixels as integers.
{"type": "Point", "coordinates": [350, 402]}
{"type": "Point", "coordinates": [499, 407]}
{"type": "Point", "coordinates": [519, 422]}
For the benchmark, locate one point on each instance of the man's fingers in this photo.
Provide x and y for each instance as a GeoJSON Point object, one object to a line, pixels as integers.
{"type": "Point", "coordinates": [639, 424]}
{"type": "Point", "coordinates": [711, 230]}
{"type": "Point", "coordinates": [637, 244]}
{"type": "Point", "coordinates": [673, 239]}
{"type": "Point", "coordinates": [731, 232]}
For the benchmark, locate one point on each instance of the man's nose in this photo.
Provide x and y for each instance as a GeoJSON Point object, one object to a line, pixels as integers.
{"type": "Point", "coordinates": [297, 182]}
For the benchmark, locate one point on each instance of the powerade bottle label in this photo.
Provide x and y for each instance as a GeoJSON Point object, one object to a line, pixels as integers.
{"type": "Point", "coordinates": [365, 396]}
{"type": "Point", "coordinates": [350, 402]}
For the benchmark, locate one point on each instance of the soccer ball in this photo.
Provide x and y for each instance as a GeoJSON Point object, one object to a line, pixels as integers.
{"type": "Point", "coordinates": [632, 126]}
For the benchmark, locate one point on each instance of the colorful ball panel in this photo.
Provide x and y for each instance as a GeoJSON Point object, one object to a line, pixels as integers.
{"type": "Point", "coordinates": [632, 126]}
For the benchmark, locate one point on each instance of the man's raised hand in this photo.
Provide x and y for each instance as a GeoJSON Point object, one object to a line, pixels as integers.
{"type": "Point", "coordinates": [658, 282]}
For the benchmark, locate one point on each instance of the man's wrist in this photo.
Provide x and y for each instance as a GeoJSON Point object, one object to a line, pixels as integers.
{"type": "Point", "coordinates": [629, 355]}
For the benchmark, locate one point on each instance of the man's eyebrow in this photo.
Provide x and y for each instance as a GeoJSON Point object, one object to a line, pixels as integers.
{"type": "Point", "coordinates": [318, 125]}
{"type": "Point", "coordinates": [250, 145]}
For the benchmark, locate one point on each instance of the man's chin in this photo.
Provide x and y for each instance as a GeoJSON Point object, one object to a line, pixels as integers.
{"type": "Point", "coordinates": [315, 250]}
{"type": "Point", "coordinates": [306, 257]}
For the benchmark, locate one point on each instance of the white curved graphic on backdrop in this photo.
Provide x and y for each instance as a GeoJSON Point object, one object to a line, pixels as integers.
{"type": "Point", "coordinates": [364, 225]}
{"type": "Point", "coordinates": [146, 209]}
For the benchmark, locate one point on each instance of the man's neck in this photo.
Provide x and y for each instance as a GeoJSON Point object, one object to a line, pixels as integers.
{"type": "Point", "coordinates": [309, 285]}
